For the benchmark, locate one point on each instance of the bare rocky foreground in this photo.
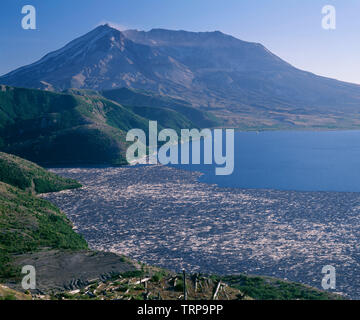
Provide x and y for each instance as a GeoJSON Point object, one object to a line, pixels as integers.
{"type": "Point", "coordinates": [67, 270]}
{"type": "Point", "coordinates": [164, 216]}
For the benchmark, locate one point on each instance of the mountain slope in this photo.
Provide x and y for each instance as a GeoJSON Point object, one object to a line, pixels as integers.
{"type": "Point", "coordinates": [245, 79]}
{"type": "Point", "coordinates": [103, 58]}
{"type": "Point", "coordinates": [28, 223]}
{"type": "Point", "coordinates": [241, 82]}
{"type": "Point", "coordinates": [149, 101]}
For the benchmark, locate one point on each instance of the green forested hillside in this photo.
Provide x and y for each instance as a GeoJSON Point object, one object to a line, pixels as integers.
{"type": "Point", "coordinates": [55, 128]}
{"type": "Point", "coordinates": [29, 176]}
{"type": "Point", "coordinates": [28, 223]}
{"type": "Point", "coordinates": [80, 127]}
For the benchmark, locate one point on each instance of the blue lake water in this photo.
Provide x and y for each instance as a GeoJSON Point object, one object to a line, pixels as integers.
{"type": "Point", "coordinates": [291, 160]}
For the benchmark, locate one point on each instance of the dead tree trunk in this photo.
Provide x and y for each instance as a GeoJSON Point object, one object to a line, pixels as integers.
{"type": "Point", "coordinates": [195, 279]}
{"type": "Point", "coordinates": [175, 279]}
{"type": "Point", "coordinates": [216, 290]}
{"type": "Point", "coordinates": [184, 279]}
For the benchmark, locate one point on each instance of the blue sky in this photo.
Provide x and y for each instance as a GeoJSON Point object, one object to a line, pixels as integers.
{"type": "Point", "coordinates": [289, 28]}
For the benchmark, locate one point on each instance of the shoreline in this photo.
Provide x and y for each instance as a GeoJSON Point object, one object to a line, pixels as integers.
{"type": "Point", "coordinates": [262, 232]}
{"type": "Point", "coordinates": [258, 131]}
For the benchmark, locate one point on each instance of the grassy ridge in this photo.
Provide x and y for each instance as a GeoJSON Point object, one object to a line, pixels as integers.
{"type": "Point", "coordinates": [9, 294]}
{"type": "Point", "coordinates": [29, 176]}
{"type": "Point", "coordinates": [267, 288]}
